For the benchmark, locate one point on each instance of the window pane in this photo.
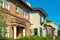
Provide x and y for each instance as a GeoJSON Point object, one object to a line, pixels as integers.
{"type": "Point", "coordinates": [17, 5]}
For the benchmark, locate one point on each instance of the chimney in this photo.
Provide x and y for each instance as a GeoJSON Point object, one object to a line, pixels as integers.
{"type": "Point", "coordinates": [28, 3]}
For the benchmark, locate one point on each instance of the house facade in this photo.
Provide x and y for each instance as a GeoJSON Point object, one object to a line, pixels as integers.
{"type": "Point", "coordinates": [18, 18]}
{"type": "Point", "coordinates": [38, 20]}
{"type": "Point", "coordinates": [52, 29]}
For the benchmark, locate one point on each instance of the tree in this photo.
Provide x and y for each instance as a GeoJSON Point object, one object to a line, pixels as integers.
{"type": "Point", "coordinates": [3, 24]}
{"type": "Point", "coordinates": [59, 27]}
{"type": "Point", "coordinates": [47, 20]}
{"type": "Point", "coordinates": [58, 32]}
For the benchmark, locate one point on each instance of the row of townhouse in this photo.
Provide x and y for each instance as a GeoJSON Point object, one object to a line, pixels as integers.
{"type": "Point", "coordinates": [22, 20]}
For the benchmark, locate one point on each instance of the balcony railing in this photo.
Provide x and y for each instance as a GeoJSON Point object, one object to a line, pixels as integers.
{"type": "Point", "coordinates": [16, 20]}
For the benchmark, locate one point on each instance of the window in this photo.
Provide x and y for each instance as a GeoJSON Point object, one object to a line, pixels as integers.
{"type": "Point", "coordinates": [40, 31]}
{"type": "Point", "coordinates": [35, 31]}
{"type": "Point", "coordinates": [7, 4]}
{"type": "Point", "coordinates": [44, 20]}
{"type": "Point", "coordinates": [27, 14]}
{"type": "Point", "coordinates": [7, 30]}
{"type": "Point", "coordinates": [17, 5]}
{"type": "Point", "coordinates": [41, 20]}
{"type": "Point", "coordinates": [1, 3]}
{"type": "Point", "coordinates": [23, 14]}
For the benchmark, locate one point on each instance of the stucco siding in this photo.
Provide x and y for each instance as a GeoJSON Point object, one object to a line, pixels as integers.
{"type": "Point", "coordinates": [35, 20]}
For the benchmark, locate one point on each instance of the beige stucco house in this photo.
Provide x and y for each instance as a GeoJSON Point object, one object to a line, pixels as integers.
{"type": "Point", "coordinates": [38, 19]}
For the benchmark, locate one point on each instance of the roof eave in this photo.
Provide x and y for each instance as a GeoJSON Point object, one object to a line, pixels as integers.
{"type": "Point", "coordinates": [26, 5]}
{"type": "Point", "coordinates": [44, 13]}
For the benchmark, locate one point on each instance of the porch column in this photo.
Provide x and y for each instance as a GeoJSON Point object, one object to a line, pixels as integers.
{"type": "Point", "coordinates": [14, 32]}
{"type": "Point", "coordinates": [38, 31]}
{"type": "Point", "coordinates": [43, 31]}
{"type": "Point", "coordinates": [23, 32]}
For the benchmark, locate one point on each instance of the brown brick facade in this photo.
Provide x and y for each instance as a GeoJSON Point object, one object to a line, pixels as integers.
{"type": "Point", "coordinates": [15, 19]}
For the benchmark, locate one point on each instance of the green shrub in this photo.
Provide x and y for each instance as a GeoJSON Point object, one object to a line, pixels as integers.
{"type": "Point", "coordinates": [29, 38]}
{"type": "Point", "coordinates": [57, 37]}
{"type": "Point", "coordinates": [34, 38]}
{"type": "Point", "coordinates": [7, 38]}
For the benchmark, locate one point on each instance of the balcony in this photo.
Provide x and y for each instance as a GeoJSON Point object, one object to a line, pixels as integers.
{"type": "Point", "coordinates": [18, 21]}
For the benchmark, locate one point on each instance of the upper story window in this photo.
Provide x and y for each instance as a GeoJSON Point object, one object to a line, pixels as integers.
{"type": "Point", "coordinates": [41, 20]}
{"type": "Point", "coordinates": [7, 2]}
{"type": "Point", "coordinates": [1, 3]}
{"type": "Point", "coordinates": [17, 5]}
{"type": "Point", "coordinates": [44, 20]}
{"type": "Point", "coordinates": [25, 13]}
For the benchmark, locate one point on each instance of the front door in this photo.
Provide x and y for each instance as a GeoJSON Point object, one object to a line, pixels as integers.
{"type": "Point", "coordinates": [19, 32]}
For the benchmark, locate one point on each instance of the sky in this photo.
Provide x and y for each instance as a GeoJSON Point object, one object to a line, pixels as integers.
{"type": "Point", "coordinates": [51, 7]}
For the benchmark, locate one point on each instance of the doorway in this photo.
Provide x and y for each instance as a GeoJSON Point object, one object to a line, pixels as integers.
{"type": "Point", "coordinates": [35, 31]}
{"type": "Point", "coordinates": [19, 31]}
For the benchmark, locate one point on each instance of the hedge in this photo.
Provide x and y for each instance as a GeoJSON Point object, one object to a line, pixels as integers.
{"type": "Point", "coordinates": [57, 37]}
{"type": "Point", "coordinates": [34, 38]}
{"type": "Point", "coordinates": [29, 38]}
